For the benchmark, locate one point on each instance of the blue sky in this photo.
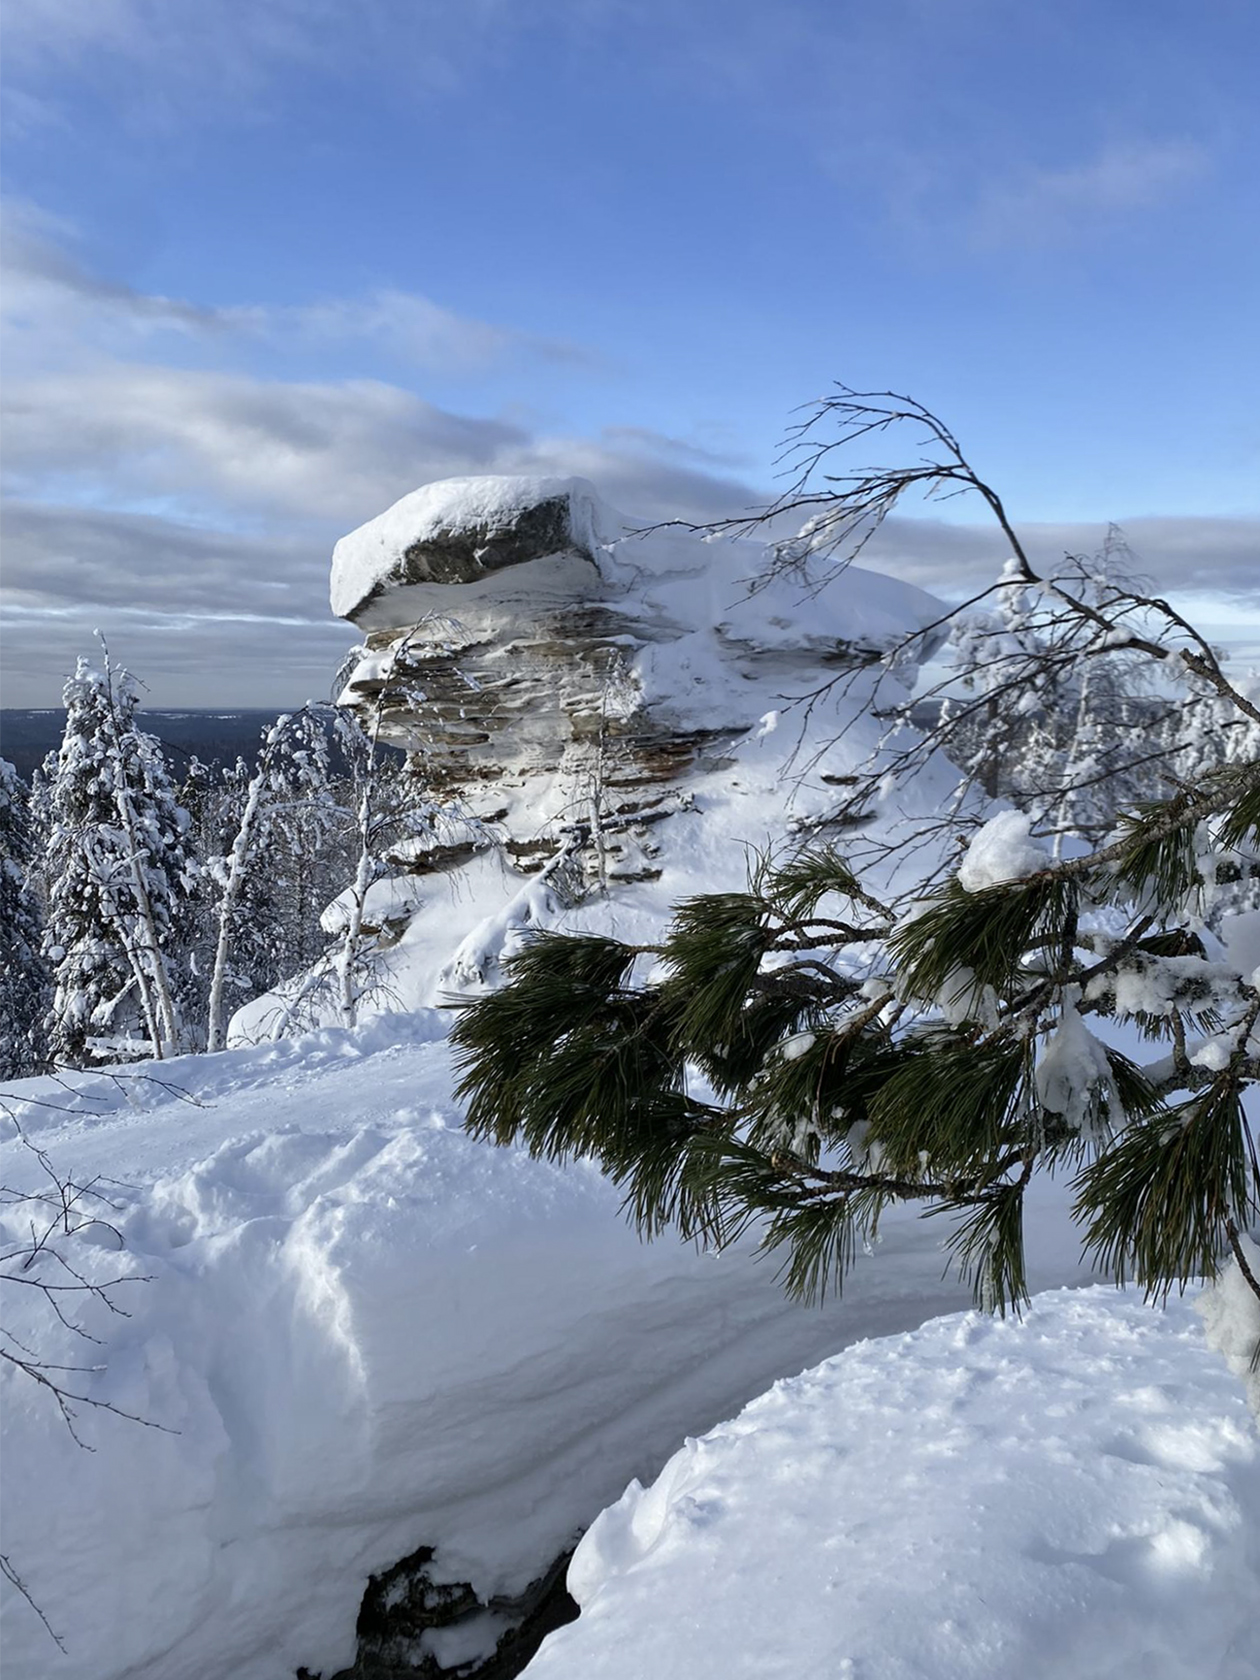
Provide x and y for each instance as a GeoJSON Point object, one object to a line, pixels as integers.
{"type": "Point", "coordinates": [270, 265]}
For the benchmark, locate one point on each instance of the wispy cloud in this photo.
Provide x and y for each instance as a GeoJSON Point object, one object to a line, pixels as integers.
{"type": "Point", "coordinates": [1046, 206]}
{"type": "Point", "coordinates": [51, 301]}
{"type": "Point", "coordinates": [166, 64]}
{"type": "Point", "coordinates": [237, 42]}
{"type": "Point", "coordinates": [118, 431]}
{"type": "Point", "coordinates": [408, 325]}
{"type": "Point", "coordinates": [191, 509]}
{"type": "Point", "coordinates": [1215, 557]}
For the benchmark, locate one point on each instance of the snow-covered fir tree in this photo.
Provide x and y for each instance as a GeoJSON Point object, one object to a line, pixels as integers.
{"type": "Point", "coordinates": [279, 821]}
{"type": "Point", "coordinates": [24, 980]}
{"type": "Point", "coordinates": [120, 871]}
{"type": "Point", "coordinates": [1044, 718]}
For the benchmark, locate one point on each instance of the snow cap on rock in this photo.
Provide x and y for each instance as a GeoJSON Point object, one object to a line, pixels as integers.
{"type": "Point", "coordinates": [459, 530]}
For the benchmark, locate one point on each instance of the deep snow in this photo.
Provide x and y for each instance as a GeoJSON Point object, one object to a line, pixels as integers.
{"type": "Point", "coordinates": [1073, 1496]}
{"type": "Point", "coordinates": [370, 1333]}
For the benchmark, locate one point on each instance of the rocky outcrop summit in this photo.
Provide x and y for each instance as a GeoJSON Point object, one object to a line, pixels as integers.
{"type": "Point", "coordinates": [609, 719]}
{"type": "Point", "coordinates": [557, 670]}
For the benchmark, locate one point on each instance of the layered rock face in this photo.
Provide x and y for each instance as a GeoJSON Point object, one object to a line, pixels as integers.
{"type": "Point", "coordinates": [559, 673]}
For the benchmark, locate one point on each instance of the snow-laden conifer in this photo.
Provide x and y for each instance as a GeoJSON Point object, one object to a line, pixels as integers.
{"type": "Point", "coordinates": [1047, 704]}
{"type": "Point", "coordinates": [119, 868]}
{"type": "Point", "coordinates": [280, 817]}
{"type": "Point", "coordinates": [24, 985]}
{"type": "Point", "coordinates": [939, 1017]}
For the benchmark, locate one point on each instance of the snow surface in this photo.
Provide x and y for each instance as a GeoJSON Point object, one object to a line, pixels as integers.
{"type": "Point", "coordinates": [369, 1333]}
{"type": "Point", "coordinates": [391, 898]}
{"type": "Point", "coordinates": [1071, 1497]}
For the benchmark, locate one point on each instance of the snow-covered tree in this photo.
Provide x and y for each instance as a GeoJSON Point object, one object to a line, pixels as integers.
{"type": "Point", "coordinates": [24, 982]}
{"type": "Point", "coordinates": [860, 1056]}
{"type": "Point", "coordinates": [934, 1018]}
{"type": "Point", "coordinates": [1208, 733]}
{"type": "Point", "coordinates": [391, 804]}
{"type": "Point", "coordinates": [119, 868]}
{"type": "Point", "coordinates": [1057, 715]}
{"type": "Point", "coordinates": [281, 816]}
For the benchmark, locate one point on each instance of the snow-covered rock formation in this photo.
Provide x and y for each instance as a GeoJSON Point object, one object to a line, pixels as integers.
{"type": "Point", "coordinates": [545, 657]}
{"type": "Point", "coordinates": [601, 709]}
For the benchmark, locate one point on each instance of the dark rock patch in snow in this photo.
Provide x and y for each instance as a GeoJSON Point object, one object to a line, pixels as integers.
{"type": "Point", "coordinates": [412, 1627]}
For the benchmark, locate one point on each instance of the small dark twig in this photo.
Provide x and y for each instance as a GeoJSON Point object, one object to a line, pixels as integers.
{"type": "Point", "coordinates": [10, 1574]}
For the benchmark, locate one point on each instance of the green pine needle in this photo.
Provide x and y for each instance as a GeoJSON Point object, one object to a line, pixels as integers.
{"type": "Point", "coordinates": [1155, 1205]}
{"type": "Point", "coordinates": [796, 888]}
{"type": "Point", "coordinates": [985, 933]}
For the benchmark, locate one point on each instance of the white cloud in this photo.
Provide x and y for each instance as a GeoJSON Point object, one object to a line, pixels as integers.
{"type": "Point", "coordinates": [190, 511]}
{"type": "Point", "coordinates": [93, 414]}
{"type": "Point", "coordinates": [52, 306]}
{"type": "Point", "coordinates": [130, 433]}
{"type": "Point", "coordinates": [1043, 206]}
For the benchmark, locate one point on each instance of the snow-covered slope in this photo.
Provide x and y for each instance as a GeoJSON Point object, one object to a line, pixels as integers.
{"type": "Point", "coordinates": [1071, 1497]}
{"type": "Point", "coordinates": [367, 1333]}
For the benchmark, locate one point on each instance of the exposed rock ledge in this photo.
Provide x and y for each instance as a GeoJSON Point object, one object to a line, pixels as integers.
{"type": "Point", "coordinates": [554, 666]}
{"type": "Point", "coordinates": [413, 1627]}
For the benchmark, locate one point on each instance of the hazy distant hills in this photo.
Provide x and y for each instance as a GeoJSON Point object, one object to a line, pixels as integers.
{"type": "Point", "coordinates": [212, 736]}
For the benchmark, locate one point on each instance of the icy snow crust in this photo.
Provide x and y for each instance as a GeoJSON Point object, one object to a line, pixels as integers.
{"type": "Point", "coordinates": [369, 1333]}
{"type": "Point", "coordinates": [1073, 1497]}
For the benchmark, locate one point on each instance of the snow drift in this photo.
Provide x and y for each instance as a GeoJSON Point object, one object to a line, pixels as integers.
{"type": "Point", "coordinates": [365, 1333]}
{"type": "Point", "coordinates": [1074, 1496]}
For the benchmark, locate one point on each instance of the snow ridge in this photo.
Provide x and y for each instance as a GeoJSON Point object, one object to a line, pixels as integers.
{"type": "Point", "coordinates": [1073, 1496]}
